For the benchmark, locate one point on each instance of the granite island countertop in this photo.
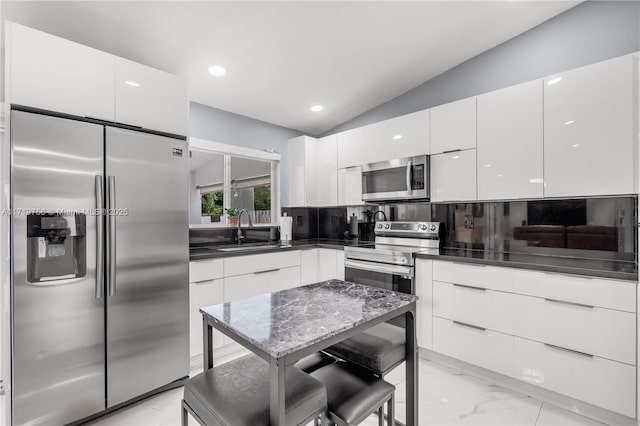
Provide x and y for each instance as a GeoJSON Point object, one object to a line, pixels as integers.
{"type": "Point", "coordinates": [286, 321]}
{"type": "Point", "coordinates": [615, 267]}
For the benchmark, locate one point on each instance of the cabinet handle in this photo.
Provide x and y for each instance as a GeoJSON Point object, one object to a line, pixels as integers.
{"type": "Point", "coordinates": [451, 150]}
{"type": "Point", "coordinates": [470, 287]}
{"type": "Point", "coordinates": [268, 270]}
{"type": "Point", "coordinates": [563, 302]}
{"type": "Point", "coordinates": [584, 277]}
{"type": "Point", "coordinates": [560, 348]}
{"type": "Point", "coordinates": [464, 324]}
{"type": "Point", "coordinates": [469, 264]}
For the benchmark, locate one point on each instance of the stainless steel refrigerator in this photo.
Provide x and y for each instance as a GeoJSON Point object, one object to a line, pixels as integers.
{"type": "Point", "coordinates": [99, 301]}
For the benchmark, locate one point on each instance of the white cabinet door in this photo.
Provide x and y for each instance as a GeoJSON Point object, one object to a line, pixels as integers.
{"type": "Point", "coordinates": [424, 306]}
{"type": "Point", "coordinates": [510, 143]}
{"type": "Point", "coordinates": [453, 126]}
{"type": "Point", "coordinates": [403, 136]}
{"type": "Point", "coordinates": [297, 172]}
{"type": "Point", "coordinates": [351, 148]}
{"type": "Point", "coordinates": [308, 266]}
{"type": "Point", "coordinates": [350, 186]}
{"type": "Point", "coordinates": [256, 263]}
{"type": "Point", "coordinates": [327, 264]}
{"type": "Point", "coordinates": [201, 294]}
{"type": "Point", "coordinates": [322, 159]}
{"type": "Point", "coordinates": [453, 176]}
{"type": "Point", "coordinates": [150, 98]}
{"type": "Point", "coordinates": [249, 285]}
{"type": "Point", "coordinates": [55, 74]}
{"type": "Point", "coordinates": [589, 129]}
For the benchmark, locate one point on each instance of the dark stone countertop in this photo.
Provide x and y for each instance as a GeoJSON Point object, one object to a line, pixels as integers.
{"type": "Point", "coordinates": [615, 268]}
{"type": "Point", "coordinates": [286, 321]}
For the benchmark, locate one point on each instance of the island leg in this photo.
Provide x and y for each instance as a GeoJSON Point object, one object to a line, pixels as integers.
{"type": "Point", "coordinates": [411, 362]}
{"type": "Point", "coordinates": [276, 391]}
{"type": "Point", "coordinates": [207, 345]}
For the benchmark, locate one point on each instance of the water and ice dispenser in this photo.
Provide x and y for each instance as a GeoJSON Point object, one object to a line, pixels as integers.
{"type": "Point", "coordinates": [56, 247]}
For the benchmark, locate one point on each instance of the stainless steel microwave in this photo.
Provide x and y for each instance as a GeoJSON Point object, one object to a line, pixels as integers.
{"type": "Point", "coordinates": [400, 179]}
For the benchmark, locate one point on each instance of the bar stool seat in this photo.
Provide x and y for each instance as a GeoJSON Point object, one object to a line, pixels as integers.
{"type": "Point", "coordinates": [237, 394]}
{"type": "Point", "coordinates": [354, 394]}
{"type": "Point", "coordinates": [311, 363]}
{"type": "Point", "coordinates": [380, 348]}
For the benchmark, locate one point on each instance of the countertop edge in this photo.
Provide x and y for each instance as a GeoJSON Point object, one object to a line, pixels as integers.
{"type": "Point", "coordinates": [624, 276]}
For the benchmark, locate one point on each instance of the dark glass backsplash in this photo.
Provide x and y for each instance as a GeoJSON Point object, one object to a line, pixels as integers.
{"type": "Point", "coordinates": [586, 227]}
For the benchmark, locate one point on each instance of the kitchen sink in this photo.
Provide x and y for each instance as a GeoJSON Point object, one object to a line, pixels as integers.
{"type": "Point", "coordinates": [247, 248]}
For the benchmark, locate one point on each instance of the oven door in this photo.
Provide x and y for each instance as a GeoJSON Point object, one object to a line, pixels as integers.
{"type": "Point", "coordinates": [391, 277]}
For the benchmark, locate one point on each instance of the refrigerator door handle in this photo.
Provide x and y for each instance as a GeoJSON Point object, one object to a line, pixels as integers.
{"type": "Point", "coordinates": [111, 237]}
{"type": "Point", "coordinates": [99, 237]}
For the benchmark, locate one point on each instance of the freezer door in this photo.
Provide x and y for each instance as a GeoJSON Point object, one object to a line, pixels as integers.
{"type": "Point", "coordinates": [148, 239]}
{"type": "Point", "coordinates": [58, 323]}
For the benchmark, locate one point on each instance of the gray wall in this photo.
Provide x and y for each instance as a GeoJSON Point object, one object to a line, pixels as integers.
{"type": "Point", "coordinates": [590, 32]}
{"type": "Point", "coordinates": [225, 127]}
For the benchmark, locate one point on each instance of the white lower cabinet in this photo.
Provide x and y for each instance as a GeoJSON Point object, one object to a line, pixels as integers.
{"type": "Point", "coordinates": [203, 293]}
{"type": "Point", "coordinates": [327, 264]}
{"type": "Point", "coordinates": [474, 305]}
{"type": "Point", "coordinates": [467, 342]}
{"type": "Point", "coordinates": [308, 266]}
{"type": "Point", "coordinates": [489, 277]}
{"type": "Point", "coordinates": [596, 331]}
{"type": "Point", "coordinates": [598, 381]}
{"type": "Point", "coordinates": [424, 306]}
{"type": "Point", "coordinates": [340, 264]}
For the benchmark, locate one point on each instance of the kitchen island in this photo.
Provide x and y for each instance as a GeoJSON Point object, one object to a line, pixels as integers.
{"type": "Point", "coordinates": [285, 326]}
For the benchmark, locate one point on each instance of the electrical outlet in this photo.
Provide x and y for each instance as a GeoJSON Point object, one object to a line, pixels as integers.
{"type": "Point", "coordinates": [468, 222]}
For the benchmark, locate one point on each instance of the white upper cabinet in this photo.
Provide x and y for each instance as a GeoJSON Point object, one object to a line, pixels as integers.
{"type": "Point", "coordinates": [399, 137]}
{"type": "Point", "coordinates": [453, 176]}
{"type": "Point", "coordinates": [453, 126]}
{"type": "Point", "coordinates": [350, 186]}
{"type": "Point", "coordinates": [55, 74]}
{"type": "Point", "coordinates": [351, 148]}
{"type": "Point", "coordinates": [589, 129]}
{"type": "Point", "coordinates": [59, 75]}
{"type": "Point", "coordinates": [150, 98]}
{"type": "Point", "coordinates": [312, 171]}
{"type": "Point", "coordinates": [510, 147]}
{"type": "Point", "coordinates": [324, 185]}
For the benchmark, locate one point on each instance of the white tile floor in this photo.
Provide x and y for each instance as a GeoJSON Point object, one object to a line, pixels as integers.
{"type": "Point", "coordinates": [447, 397]}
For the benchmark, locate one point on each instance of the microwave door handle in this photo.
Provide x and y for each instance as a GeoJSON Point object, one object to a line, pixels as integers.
{"type": "Point", "coordinates": [409, 170]}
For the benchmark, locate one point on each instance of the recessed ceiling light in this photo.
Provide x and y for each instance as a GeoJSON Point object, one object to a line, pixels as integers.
{"type": "Point", "coordinates": [317, 108]}
{"type": "Point", "coordinates": [217, 71]}
{"type": "Point", "coordinates": [455, 157]}
{"type": "Point", "coordinates": [487, 165]}
{"type": "Point", "coordinates": [132, 83]}
{"type": "Point", "coordinates": [553, 81]}
{"type": "Point", "coordinates": [566, 123]}
{"type": "Point", "coordinates": [396, 137]}
{"type": "Point", "coordinates": [575, 145]}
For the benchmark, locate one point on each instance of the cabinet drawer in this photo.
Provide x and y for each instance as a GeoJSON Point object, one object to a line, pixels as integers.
{"type": "Point", "coordinates": [204, 270]}
{"type": "Point", "coordinates": [260, 262]}
{"type": "Point", "coordinates": [604, 293]}
{"type": "Point", "coordinates": [483, 276]}
{"type": "Point", "coordinates": [602, 332]}
{"type": "Point", "coordinates": [484, 348]}
{"type": "Point", "coordinates": [474, 305]}
{"type": "Point", "coordinates": [248, 285]}
{"type": "Point", "coordinates": [607, 384]}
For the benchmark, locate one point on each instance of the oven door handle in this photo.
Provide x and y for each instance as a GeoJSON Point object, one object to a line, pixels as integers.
{"type": "Point", "coordinates": [379, 267]}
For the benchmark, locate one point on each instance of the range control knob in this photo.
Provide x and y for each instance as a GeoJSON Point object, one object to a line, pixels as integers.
{"type": "Point", "coordinates": [379, 226]}
{"type": "Point", "coordinates": [432, 227]}
{"type": "Point", "coordinates": [387, 226]}
{"type": "Point", "coordinates": [423, 227]}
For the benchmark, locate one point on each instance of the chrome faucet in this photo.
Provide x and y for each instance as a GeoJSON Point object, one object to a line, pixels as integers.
{"type": "Point", "coordinates": [384, 215]}
{"type": "Point", "coordinates": [240, 236]}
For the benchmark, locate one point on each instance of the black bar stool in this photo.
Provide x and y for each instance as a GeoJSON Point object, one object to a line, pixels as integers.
{"type": "Point", "coordinates": [237, 394]}
{"type": "Point", "coordinates": [354, 394]}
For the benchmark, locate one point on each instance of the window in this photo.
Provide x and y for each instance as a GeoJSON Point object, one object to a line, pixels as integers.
{"type": "Point", "coordinates": [223, 183]}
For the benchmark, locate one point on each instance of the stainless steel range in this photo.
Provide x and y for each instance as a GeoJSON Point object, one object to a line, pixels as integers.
{"type": "Point", "coordinates": [390, 263]}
